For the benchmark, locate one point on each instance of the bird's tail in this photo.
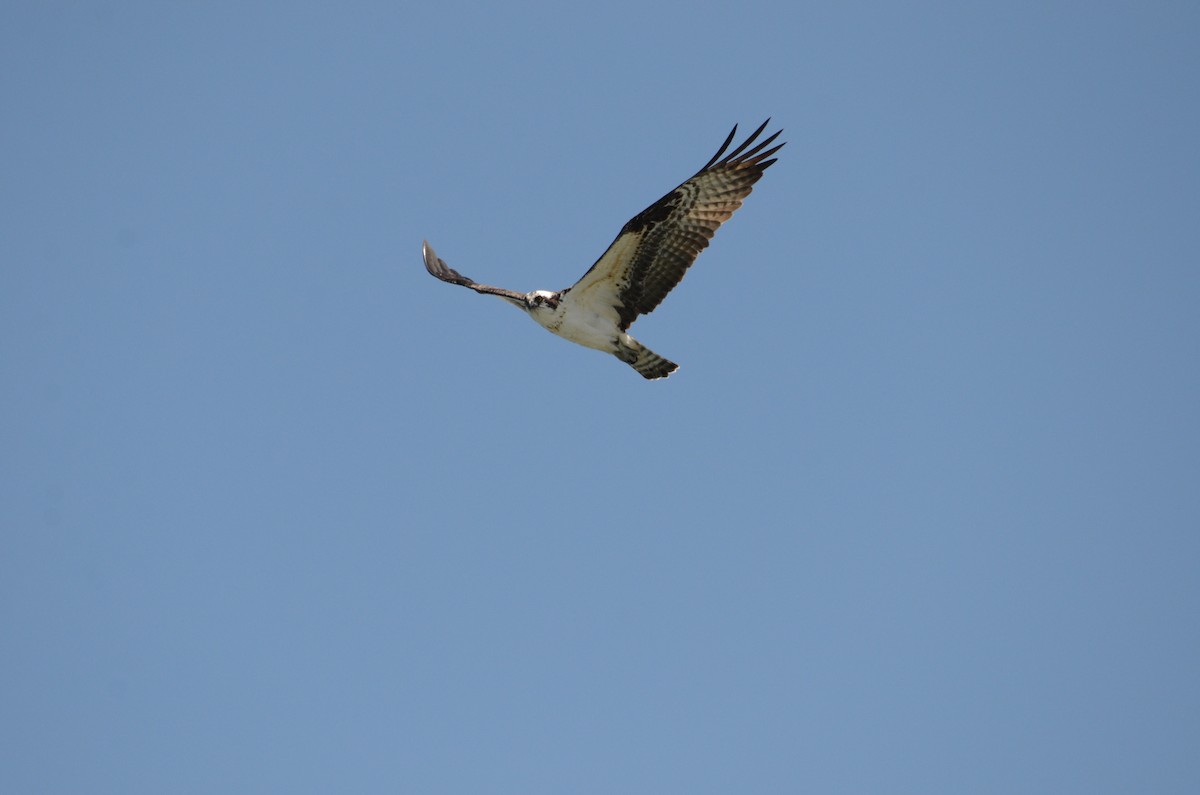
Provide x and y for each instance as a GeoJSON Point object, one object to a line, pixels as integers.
{"type": "Point", "coordinates": [646, 361]}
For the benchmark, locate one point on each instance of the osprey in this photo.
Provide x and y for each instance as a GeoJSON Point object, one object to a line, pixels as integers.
{"type": "Point", "coordinates": [646, 260]}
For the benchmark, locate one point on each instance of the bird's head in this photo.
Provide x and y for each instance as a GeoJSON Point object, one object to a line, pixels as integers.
{"type": "Point", "coordinates": [541, 301]}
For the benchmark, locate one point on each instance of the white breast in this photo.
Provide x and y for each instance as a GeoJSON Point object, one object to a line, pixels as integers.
{"type": "Point", "coordinates": [584, 322]}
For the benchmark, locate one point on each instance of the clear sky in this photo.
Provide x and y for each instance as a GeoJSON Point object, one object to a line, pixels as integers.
{"type": "Point", "coordinates": [919, 513]}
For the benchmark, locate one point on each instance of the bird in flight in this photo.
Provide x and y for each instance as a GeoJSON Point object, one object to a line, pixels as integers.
{"type": "Point", "coordinates": [645, 261]}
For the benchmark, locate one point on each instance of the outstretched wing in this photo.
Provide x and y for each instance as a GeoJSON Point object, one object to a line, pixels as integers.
{"type": "Point", "coordinates": [658, 245]}
{"type": "Point", "coordinates": [438, 267]}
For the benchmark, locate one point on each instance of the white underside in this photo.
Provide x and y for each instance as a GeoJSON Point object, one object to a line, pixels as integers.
{"type": "Point", "coordinates": [583, 324]}
{"type": "Point", "coordinates": [587, 313]}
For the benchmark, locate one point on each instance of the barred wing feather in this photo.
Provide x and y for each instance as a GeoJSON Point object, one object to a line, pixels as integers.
{"type": "Point", "coordinates": [654, 250]}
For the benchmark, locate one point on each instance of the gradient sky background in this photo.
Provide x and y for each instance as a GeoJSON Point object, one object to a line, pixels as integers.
{"type": "Point", "coordinates": [919, 513]}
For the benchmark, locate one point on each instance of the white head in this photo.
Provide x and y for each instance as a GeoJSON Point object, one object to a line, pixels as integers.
{"type": "Point", "coordinates": [541, 301]}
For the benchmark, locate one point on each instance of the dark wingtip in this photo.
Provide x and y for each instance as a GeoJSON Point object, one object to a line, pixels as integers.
{"type": "Point", "coordinates": [740, 154]}
{"type": "Point", "coordinates": [438, 268]}
{"type": "Point", "coordinates": [724, 146]}
{"type": "Point", "coordinates": [430, 257]}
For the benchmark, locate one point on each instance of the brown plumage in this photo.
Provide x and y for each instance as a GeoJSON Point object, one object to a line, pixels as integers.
{"type": "Point", "coordinates": [646, 260]}
{"type": "Point", "coordinates": [654, 250]}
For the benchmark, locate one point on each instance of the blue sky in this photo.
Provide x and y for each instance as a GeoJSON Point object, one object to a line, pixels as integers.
{"type": "Point", "coordinates": [282, 513]}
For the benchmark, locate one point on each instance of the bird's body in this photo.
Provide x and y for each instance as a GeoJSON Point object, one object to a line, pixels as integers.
{"type": "Point", "coordinates": [645, 261]}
